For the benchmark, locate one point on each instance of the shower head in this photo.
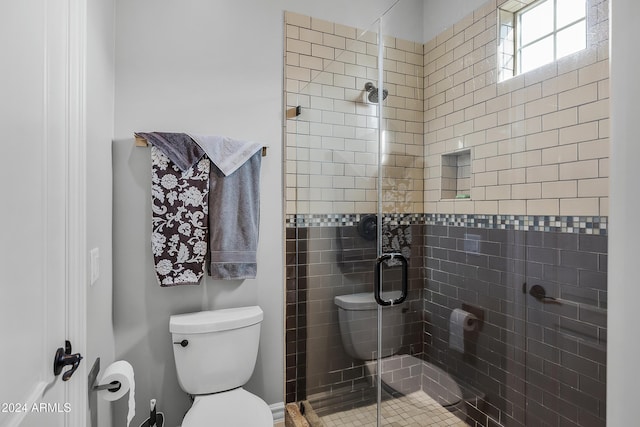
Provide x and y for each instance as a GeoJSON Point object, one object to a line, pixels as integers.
{"type": "Point", "coordinates": [373, 93]}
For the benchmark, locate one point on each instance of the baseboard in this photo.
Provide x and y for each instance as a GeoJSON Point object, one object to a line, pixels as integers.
{"type": "Point", "coordinates": [277, 410]}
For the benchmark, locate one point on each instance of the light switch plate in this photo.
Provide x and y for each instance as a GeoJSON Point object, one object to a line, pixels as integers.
{"type": "Point", "coordinates": [94, 255]}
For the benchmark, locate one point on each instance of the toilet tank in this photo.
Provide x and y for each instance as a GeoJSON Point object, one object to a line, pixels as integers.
{"type": "Point", "coordinates": [358, 322]}
{"type": "Point", "coordinates": [220, 350]}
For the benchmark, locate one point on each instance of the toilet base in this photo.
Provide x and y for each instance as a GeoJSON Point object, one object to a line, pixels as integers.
{"type": "Point", "coordinates": [233, 408]}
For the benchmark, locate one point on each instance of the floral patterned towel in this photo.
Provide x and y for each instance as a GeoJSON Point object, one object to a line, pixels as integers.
{"type": "Point", "coordinates": [179, 201]}
{"type": "Point", "coordinates": [396, 238]}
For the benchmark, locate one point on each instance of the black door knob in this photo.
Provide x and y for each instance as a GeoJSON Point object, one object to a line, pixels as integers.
{"type": "Point", "coordinates": [62, 358]}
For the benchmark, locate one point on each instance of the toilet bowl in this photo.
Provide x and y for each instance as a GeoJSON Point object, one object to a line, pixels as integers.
{"type": "Point", "coordinates": [357, 316]}
{"type": "Point", "coordinates": [215, 354]}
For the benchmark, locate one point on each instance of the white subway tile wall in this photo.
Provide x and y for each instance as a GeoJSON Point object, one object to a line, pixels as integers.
{"type": "Point", "coordinates": [537, 139]}
{"type": "Point", "coordinates": [538, 142]}
{"type": "Point", "coordinates": [331, 147]}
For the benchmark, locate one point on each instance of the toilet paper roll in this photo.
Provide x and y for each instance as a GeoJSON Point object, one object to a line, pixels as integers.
{"type": "Point", "coordinates": [120, 371]}
{"type": "Point", "coordinates": [460, 321]}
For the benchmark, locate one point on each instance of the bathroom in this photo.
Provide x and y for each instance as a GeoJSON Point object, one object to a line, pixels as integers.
{"type": "Point", "coordinates": [218, 68]}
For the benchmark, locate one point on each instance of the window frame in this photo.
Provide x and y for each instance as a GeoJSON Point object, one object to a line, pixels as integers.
{"type": "Point", "coordinates": [517, 22]}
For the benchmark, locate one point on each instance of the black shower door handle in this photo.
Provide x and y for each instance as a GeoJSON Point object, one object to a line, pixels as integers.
{"type": "Point", "coordinates": [378, 279]}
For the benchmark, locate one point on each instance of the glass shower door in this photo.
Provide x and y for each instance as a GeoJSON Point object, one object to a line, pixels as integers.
{"type": "Point", "coordinates": [354, 191]}
{"type": "Point", "coordinates": [410, 390]}
{"type": "Point", "coordinates": [331, 193]}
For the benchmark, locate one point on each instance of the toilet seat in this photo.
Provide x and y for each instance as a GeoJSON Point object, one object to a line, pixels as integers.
{"type": "Point", "coordinates": [234, 408]}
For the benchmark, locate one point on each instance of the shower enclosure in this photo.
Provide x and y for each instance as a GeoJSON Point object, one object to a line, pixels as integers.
{"type": "Point", "coordinates": [401, 153]}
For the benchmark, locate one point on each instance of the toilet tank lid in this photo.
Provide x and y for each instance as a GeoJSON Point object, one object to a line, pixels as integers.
{"type": "Point", "coordinates": [363, 301]}
{"type": "Point", "coordinates": [215, 320]}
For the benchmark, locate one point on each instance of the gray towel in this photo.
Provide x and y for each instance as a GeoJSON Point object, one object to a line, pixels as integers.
{"type": "Point", "coordinates": [226, 153]}
{"type": "Point", "coordinates": [180, 148]}
{"type": "Point", "coordinates": [234, 218]}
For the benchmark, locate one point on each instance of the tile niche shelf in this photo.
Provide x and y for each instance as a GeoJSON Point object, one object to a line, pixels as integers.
{"type": "Point", "coordinates": [456, 175]}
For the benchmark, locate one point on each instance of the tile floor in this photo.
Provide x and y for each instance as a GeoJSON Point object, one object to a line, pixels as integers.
{"type": "Point", "coordinates": [416, 409]}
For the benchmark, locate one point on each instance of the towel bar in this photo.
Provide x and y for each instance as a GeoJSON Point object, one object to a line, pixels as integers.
{"type": "Point", "coordinates": [142, 142]}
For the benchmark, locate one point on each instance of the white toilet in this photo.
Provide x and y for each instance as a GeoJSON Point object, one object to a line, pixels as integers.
{"type": "Point", "coordinates": [358, 314]}
{"type": "Point", "coordinates": [215, 353]}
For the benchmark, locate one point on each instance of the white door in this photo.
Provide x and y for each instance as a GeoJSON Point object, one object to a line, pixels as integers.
{"type": "Point", "coordinates": [41, 245]}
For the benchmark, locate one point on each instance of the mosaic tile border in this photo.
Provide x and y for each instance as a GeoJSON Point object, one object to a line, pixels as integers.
{"type": "Point", "coordinates": [338, 220]}
{"type": "Point", "coordinates": [597, 225]}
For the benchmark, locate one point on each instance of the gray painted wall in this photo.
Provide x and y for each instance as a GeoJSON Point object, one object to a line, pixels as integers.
{"type": "Point", "coordinates": [623, 349]}
{"type": "Point", "coordinates": [142, 308]}
{"type": "Point", "coordinates": [100, 118]}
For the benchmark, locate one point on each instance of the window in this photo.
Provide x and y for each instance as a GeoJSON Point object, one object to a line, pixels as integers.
{"type": "Point", "coordinates": [538, 33]}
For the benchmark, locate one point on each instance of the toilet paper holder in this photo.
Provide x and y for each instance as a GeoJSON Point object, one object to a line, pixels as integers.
{"type": "Point", "coordinates": [476, 311]}
{"type": "Point", "coordinates": [113, 386]}
{"type": "Point", "coordinates": [93, 376]}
